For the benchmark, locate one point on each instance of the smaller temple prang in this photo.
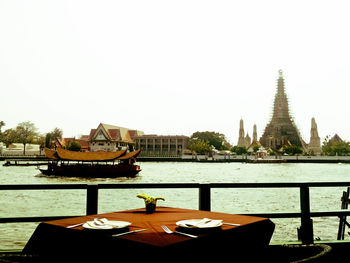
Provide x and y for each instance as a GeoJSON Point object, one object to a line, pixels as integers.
{"type": "Point", "coordinates": [248, 140]}
{"type": "Point", "coordinates": [241, 139]}
{"type": "Point", "coordinates": [314, 146]}
{"type": "Point", "coordinates": [254, 143]}
{"type": "Point", "coordinates": [255, 134]}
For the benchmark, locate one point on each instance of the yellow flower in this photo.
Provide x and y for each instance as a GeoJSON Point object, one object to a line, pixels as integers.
{"type": "Point", "coordinates": [149, 199]}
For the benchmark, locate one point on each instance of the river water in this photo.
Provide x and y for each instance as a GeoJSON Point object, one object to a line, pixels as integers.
{"type": "Point", "coordinates": [72, 202]}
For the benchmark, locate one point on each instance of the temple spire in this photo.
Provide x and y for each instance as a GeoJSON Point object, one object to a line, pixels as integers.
{"type": "Point", "coordinates": [255, 134]}
{"type": "Point", "coordinates": [281, 107]}
{"type": "Point", "coordinates": [280, 73]}
{"type": "Point", "coordinates": [241, 139]}
{"type": "Point", "coordinates": [281, 129]}
{"type": "Point", "coordinates": [314, 146]}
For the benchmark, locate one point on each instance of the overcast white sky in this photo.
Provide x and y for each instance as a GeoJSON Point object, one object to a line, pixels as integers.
{"type": "Point", "coordinates": [174, 67]}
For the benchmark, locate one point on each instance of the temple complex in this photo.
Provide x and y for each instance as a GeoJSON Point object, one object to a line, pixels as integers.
{"type": "Point", "coordinates": [315, 143]}
{"type": "Point", "coordinates": [281, 130]}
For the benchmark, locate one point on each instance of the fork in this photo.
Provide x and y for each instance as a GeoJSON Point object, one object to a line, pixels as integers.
{"type": "Point", "coordinates": [167, 230]}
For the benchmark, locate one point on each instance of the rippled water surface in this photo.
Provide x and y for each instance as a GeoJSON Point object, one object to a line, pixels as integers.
{"type": "Point", "coordinates": [72, 202]}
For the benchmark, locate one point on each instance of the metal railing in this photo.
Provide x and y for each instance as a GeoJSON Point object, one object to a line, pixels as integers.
{"type": "Point", "coordinates": [305, 232]}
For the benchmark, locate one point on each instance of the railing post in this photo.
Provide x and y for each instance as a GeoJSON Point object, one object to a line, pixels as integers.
{"type": "Point", "coordinates": [204, 197]}
{"type": "Point", "coordinates": [305, 232]}
{"type": "Point", "coordinates": [92, 199]}
{"type": "Point", "coordinates": [342, 219]}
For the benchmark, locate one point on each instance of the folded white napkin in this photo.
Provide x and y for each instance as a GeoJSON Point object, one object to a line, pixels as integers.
{"type": "Point", "coordinates": [98, 224]}
{"type": "Point", "coordinates": [94, 225]}
{"type": "Point", "coordinates": [104, 223]}
{"type": "Point", "coordinates": [205, 223]}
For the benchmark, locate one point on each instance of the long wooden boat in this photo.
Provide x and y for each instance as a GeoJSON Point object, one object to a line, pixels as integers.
{"type": "Point", "coordinates": [91, 164]}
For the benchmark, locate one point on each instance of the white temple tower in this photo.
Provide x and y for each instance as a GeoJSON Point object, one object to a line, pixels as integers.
{"type": "Point", "coordinates": [241, 139]}
{"type": "Point", "coordinates": [315, 142]}
{"type": "Point", "coordinates": [248, 140]}
{"type": "Point", "coordinates": [255, 134]}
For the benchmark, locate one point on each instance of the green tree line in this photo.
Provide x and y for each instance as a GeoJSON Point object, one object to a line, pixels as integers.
{"type": "Point", "coordinates": [26, 133]}
{"type": "Point", "coordinates": [335, 147]}
{"type": "Point", "coordinates": [206, 142]}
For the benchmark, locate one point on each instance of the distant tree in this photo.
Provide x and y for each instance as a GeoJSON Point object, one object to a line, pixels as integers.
{"type": "Point", "coordinates": [48, 140]}
{"type": "Point", "coordinates": [335, 147]}
{"type": "Point", "coordinates": [51, 137]}
{"type": "Point", "coordinates": [199, 146]}
{"type": "Point", "coordinates": [239, 150]}
{"type": "Point", "coordinates": [215, 139]}
{"type": "Point", "coordinates": [40, 140]}
{"type": "Point", "coordinates": [2, 124]}
{"type": "Point", "coordinates": [271, 152]}
{"type": "Point", "coordinates": [341, 148]}
{"type": "Point", "coordinates": [74, 146]}
{"type": "Point", "coordinates": [56, 133]}
{"type": "Point", "coordinates": [256, 148]}
{"type": "Point", "coordinates": [8, 137]}
{"type": "Point", "coordinates": [292, 150]}
{"type": "Point", "coordinates": [26, 133]}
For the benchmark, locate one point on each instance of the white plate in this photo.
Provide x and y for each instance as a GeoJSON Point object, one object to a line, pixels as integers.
{"type": "Point", "coordinates": [110, 224]}
{"type": "Point", "coordinates": [199, 223]}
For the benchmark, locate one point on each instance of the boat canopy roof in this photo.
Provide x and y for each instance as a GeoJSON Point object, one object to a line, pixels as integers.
{"type": "Point", "coordinates": [62, 154]}
{"type": "Point", "coordinates": [50, 153]}
{"type": "Point", "coordinates": [130, 155]}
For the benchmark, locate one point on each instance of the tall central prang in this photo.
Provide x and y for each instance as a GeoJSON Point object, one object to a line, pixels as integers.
{"type": "Point", "coordinates": [281, 130]}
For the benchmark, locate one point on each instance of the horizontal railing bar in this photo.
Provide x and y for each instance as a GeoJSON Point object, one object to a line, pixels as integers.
{"type": "Point", "coordinates": [275, 215]}
{"type": "Point", "coordinates": [100, 186]}
{"type": "Point", "coordinates": [330, 213]}
{"type": "Point", "coordinates": [298, 214]}
{"type": "Point", "coordinates": [279, 185]}
{"type": "Point", "coordinates": [42, 186]}
{"type": "Point", "coordinates": [173, 185]}
{"type": "Point", "coordinates": [33, 219]}
{"type": "Point", "coordinates": [149, 185]}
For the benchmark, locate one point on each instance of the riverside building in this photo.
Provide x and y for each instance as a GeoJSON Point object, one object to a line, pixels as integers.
{"type": "Point", "coordinates": [161, 145]}
{"type": "Point", "coordinates": [111, 138]}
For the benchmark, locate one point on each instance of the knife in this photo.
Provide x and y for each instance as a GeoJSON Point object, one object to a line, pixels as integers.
{"type": "Point", "coordinates": [129, 232]}
{"type": "Point", "coordinates": [75, 225]}
{"type": "Point", "coordinates": [230, 224]}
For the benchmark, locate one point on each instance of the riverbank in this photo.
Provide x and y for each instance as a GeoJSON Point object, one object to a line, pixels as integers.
{"type": "Point", "coordinates": [214, 159]}
{"type": "Point", "coordinates": [268, 159]}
